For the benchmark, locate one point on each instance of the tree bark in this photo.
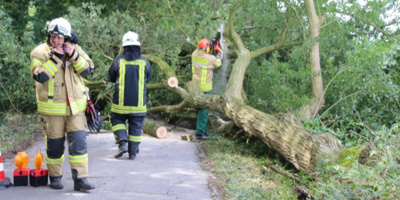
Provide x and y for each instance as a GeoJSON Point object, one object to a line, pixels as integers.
{"type": "Point", "coordinates": [317, 98]}
{"type": "Point", "coordinates": [153, 130]}
{"type": "Point", "coordinates": [285, 134]}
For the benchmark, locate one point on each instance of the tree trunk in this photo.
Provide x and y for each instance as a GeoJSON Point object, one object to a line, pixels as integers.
{"type": "Point", "coordinates": [317, 98]}
{"type": "Point", "coordinates": [285, 134]}
{"type": "Point", "coordinates": [154, 130]}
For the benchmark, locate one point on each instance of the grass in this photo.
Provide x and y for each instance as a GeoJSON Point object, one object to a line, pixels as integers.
{"type": "Point", "coordinates": [17, 131]}
{"type": "Point", "coordinates": [242, 174]}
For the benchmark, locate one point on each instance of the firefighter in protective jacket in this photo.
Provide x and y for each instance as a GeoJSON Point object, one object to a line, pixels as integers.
{"type": "Point", "coordinates": [130, 72]}
{"type": "Point", "coordinates": [57, 66]}
{"type": "Point", "coordinates": [203, 66]}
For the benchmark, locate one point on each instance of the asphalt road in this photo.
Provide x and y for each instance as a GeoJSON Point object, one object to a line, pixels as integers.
{"type": "Point", "coordinates": [165, 169]}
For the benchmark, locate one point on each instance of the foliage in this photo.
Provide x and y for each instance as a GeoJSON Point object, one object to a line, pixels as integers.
{"type": "Point", "coordinates": [357, 181]}
{"type": "Point", "coordinates": [360, 67]}
{"type": "Point", "coordinates": [17, 91]}
{"type": "Point", "coordinates": [361, 70]}
{"type": "Point", "coordinates": [365, 84]}
{"type": "Point", "coordinates": [276, 86]}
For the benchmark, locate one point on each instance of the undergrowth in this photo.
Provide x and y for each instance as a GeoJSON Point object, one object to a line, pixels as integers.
{"type": "Point", "coordinates": [349, 179]}
{"type": "Point", "coordinates": [17, 130]}
{"type": "Point", "coordinates": [243, 168]}
{"type": "Point", "coordinates": [243, 174]}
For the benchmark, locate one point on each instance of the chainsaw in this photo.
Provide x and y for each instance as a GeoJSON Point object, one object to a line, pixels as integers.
{"type": "Point", "coordinates": [216, 47]}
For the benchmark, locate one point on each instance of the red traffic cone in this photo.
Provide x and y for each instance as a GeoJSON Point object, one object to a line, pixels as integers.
{"type": "Point", "coordinates": [4, 182]}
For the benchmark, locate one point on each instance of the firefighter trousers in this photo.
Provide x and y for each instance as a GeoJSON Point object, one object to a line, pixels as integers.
{"type": "Point", "coordinates": [134, 133]}
{"type": "Point", "coordinates": [71, 128]}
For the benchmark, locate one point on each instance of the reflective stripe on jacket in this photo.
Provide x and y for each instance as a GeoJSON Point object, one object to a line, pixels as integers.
{"type": "Point", "coordinates": [53, 84]}
{"type": "Point", "coordinates": [203, 65]}
{"type": "Point", "coordinates": [130, 78]}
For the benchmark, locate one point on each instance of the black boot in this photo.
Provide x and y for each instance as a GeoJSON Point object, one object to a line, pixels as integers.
{"type": "Point", "coordinates": [132, 156]}
{"type": "Point", "coordinates": [202, 137]}
{"type": "Point", "coordinates": [133, 149]}
{"type": "Point", "coordinates": [122, 148]}
{"type": "Point", "coordinates": [55, 182]}
{"type": "Point", "coordinates": [81, 184]}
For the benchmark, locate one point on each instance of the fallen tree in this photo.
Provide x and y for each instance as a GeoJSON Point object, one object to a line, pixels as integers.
{"type": "Point", "coordinates": [283, 132]}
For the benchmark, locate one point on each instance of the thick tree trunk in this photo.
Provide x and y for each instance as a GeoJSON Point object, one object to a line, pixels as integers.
{"type": "Point", "coordinates": [285, 134]}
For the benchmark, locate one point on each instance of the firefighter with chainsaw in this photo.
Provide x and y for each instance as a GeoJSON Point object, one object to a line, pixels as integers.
{"type": "Point", "coordinates": [130, 72]}
{"type": "Point", "coordinates": [203, 65]}
{"type": "Point", "coordinates": [57, 66]}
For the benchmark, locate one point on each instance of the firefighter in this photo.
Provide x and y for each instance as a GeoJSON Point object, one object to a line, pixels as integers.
{"type": "Point", "coordinates": [203, 65]}
{"type": "Point", "coordinates": [57, 66]}
{"type": "Point", "coordinates": [130, 72]}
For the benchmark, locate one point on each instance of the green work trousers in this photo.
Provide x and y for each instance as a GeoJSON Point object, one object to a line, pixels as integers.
{"type": "Point", "coordinates": [202, 120]}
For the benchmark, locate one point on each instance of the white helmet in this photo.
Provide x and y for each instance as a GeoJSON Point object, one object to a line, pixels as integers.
{"type": "Point", "coordinates": [131, 39]}
{"type": "Point", "coordinates": [60, 26]}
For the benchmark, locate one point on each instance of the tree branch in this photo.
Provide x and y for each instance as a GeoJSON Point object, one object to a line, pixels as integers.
{"type": "Point", "coordinates": [232, 33]}
{"type": "Point", "coordinates": [278, 45]}
{"type": "Point", "coordinates": [177, 107]}
{"type": "Point", "coordinates": [164, 66]}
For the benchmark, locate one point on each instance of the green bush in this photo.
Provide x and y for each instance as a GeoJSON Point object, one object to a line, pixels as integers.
{"type": "Point", "coordinates": [357, 181]}
{"type": "Point", "coordinates": [16, 85]}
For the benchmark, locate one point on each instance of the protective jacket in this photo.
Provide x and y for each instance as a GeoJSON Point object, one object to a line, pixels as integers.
{"type": "Point", "coordinates": [203, 65]}
{"type": "Point", "coordinates": [130, 78]}
{"type": "Point", "coordinates": [58, 81]}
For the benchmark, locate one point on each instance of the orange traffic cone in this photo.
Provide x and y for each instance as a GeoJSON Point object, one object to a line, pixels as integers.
{"type": "Point", "coordinates": [4, 182]}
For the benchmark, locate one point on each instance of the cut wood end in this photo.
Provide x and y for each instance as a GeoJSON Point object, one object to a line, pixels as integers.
{"type": "Point", "coordinates": [187, 137]}
{"type": "Point", "coordinates": [172, 82]}
{"type": "Point", "coordinates": [161, 132]}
